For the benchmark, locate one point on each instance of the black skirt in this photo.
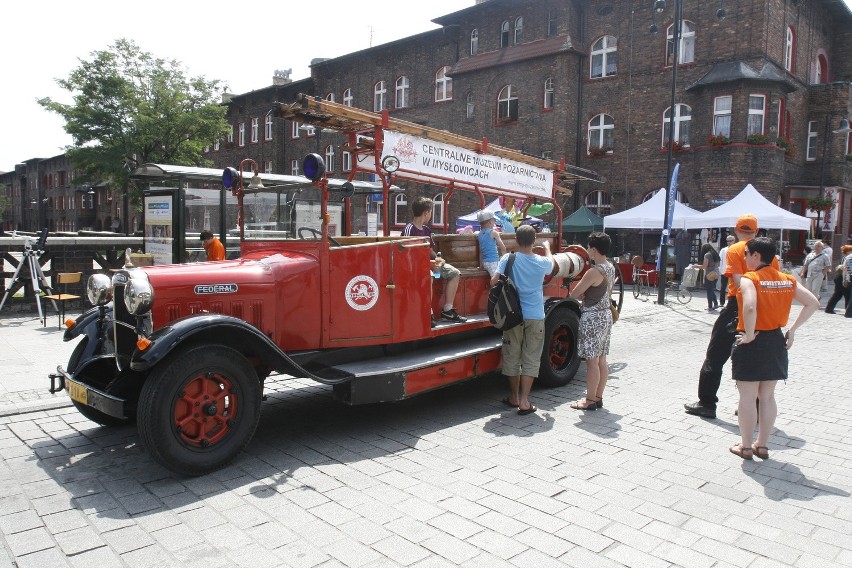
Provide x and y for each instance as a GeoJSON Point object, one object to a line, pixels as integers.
{"type": "Point", "coordinates": [764, 359]}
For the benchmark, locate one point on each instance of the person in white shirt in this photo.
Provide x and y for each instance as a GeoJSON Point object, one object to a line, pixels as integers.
{"type": "Point", "coordinates": [815, 268]}
{"type": "Point", "coordinates": [723, 280]}
{"type": "Point", "coordinates": [828, 252]}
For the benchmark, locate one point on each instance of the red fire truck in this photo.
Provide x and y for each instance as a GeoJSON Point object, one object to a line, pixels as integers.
{"type": "Point", "coordinates": [184, 349]}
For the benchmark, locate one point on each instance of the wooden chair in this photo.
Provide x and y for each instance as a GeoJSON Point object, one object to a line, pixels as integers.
{"type": "Point", "coordinates": [61, 281]}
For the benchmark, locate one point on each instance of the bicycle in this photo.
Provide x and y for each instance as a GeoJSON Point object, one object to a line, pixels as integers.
{"type": "Point", "coordinates": [642, 284]}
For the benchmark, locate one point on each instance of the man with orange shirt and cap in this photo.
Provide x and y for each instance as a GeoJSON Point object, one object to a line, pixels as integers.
{"type": "Point", "coordinates": [213, 246]}
{"type": "Point", "coordinates": [759, 359]}
{"type": "Point", "coordinates": [722, 336]}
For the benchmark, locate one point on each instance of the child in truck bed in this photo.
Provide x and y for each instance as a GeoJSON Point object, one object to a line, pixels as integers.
{"type": "Point", "coordinates": [491, 247]}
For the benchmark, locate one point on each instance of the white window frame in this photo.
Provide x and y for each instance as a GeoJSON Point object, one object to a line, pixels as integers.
{"type": "Point", "coordinates": [438, 210]}
{"type": "Point", "coordinates": [241, 134]}
{"type": "Point", "coordinates": [348, 99]}
{"type": "Point", "coordinates": [518, 36]}
{"type": "Point", "coordinates": [505, 34]}
{"type": "Point", "coordinates": [505, 99]}
{"type": "Point", "coordinates": [329, 158]}
{"type": "Point", "coordinates": [231, 135]}
{"type": "Point", "coordinates": [330, 97]}
{"type": "Point", "coordinates": [402, 92]}
{"type": "Point", "coordinates": [813, 135]}
{"type": "Point", "coordinates": [470, 106]}
{"type": "Point", "coordinates": [756, 113]}
{"type": "Point", "coordinates": [547, 101]}
{"type": "Point", "coordinates": [216, 145]}
{"type": "Point", "coordinates": [347, 161]}
{"type": "Point", "coordinates": [680, 119]}
{"type": "Point", "coordinates": [295, 130]}
{"type": "Point", "coordinates": [720, 113]}
{"type": "Point", "coordinates": [599, 201]}
{"type": "Point", "coordinates": [474, 41]}
{"type": "Point", "coordinates": [294, 167]}
{"type": "Point", "coordinates": [255, 129]}
{"type": "Point", "coordinates": [789, 43]}
{"type": "Point", "coordinates": [687, 40]}
{"type": "Point", "coordinates": [443, 85]}
{"type": "Point", "coordinates": [400, 209]}
{"type": "Point", "coordinates": [380, 92]}
{"type": "Point", "coordinates": [603, 50]}
{"type": "Point", "coordinates": [601, 132]}
{"type": "Point", "coordinates": [267, 166]}
{"type": "Point", "coordinates": [267, 129]}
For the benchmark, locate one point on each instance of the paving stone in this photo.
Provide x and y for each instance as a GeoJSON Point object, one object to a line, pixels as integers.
{"type": "Point", "coordinates": [29, 541]}
{"type": "Point", "coordinates": [50, 558]}
{"type": "Point", "coordinates": [78, 540]}
{"type": "Point", "coordinates": [127, 539]}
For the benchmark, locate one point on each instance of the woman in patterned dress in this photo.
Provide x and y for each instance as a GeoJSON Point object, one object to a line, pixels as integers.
{"type": "Point", "coordinates": [596, 320]}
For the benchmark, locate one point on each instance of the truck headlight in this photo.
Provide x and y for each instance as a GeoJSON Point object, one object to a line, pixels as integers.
{"type": "Point", "coordinates": [138, 296]}
{"type": "Point", "coordinates": [99, 289]}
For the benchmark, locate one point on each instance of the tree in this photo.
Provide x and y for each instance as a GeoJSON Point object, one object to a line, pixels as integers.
{"type": "Point", "coordinates": [5, 206]}
{"type": "Point", "coordinates": [131, 107]}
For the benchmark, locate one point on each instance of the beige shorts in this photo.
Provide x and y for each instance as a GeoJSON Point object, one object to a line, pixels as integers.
{"type": "Point", "coordinates": [448, 271]}
{"type": "Point", "coordinates": [522, 347]}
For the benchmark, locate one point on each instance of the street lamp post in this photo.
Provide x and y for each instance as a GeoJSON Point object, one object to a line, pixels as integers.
{"type": "Point", "coordinates": [844, 128]}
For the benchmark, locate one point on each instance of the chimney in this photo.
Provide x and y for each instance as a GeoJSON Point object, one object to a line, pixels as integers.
{"type": "Point", "coordinates": [282, 76]}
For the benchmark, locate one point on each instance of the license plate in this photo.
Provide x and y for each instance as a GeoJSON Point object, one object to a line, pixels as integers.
{"type": "Point", "coordinates": [77, 392]}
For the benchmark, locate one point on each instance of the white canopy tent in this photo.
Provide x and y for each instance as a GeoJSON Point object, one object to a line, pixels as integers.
{"type": "Point", "coordinates": [769, 215]}
{"type": "Point", "coordinates": [649, 215]}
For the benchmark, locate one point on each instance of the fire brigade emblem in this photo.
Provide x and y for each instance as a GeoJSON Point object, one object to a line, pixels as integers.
{"type": "Point", "coordinates": [362, 293]}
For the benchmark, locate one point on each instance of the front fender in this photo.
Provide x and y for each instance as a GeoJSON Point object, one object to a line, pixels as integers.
{"type": "Point", "coordinates": [552, 303]}
{"type": "Point", "coordinates": [87, 323]}
{"type": "Point", "coordinates": [212, 329]}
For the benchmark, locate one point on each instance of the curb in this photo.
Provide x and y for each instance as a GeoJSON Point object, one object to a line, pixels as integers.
{"type": "Point", "coordinates": [34, 406]}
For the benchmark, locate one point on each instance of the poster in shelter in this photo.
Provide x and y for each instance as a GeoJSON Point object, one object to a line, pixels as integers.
{"type": "Point", "coordinates": [159, 230]}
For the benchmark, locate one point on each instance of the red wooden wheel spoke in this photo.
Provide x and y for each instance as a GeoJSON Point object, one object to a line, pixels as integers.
{"type": "Point", "coordinates": [203, 411]}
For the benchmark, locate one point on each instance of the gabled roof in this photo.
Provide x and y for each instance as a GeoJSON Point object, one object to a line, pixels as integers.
{"type": "Point", "coordinates": [731, 71]}
{"type": "Point", "coordinates": [514, 54]}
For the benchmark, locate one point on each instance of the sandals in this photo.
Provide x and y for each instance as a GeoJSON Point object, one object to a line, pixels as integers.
{"type": "Point", "coordinates": [744, 453]}
{"type": "Point", "coordinates": [588, 406]}
{"type": "Point", "coordinates": [760, 451]}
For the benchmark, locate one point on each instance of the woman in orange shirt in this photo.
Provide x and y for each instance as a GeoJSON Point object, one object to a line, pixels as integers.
{"type": "Point", "coordinates": [759, 358]}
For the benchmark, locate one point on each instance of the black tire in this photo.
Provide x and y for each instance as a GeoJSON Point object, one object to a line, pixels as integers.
{"type": "Point", "coordinates": [559, 358]}
{"type": "Point", "coordinates": [92, 414]}
{"type": "Point", "coordinates": [636, 289]}
{"type": "Point", "coordinates": [212, 433]}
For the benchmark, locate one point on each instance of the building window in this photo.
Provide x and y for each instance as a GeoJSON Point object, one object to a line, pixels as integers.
{"type": "Point", "coordinates": [241, 133]}
{"type": "Point", "coordinates": [601, 131]}
{"type": "Point", "coordinates": [790, 50]}
{"type": "Point", "coordinates": [519, 30]}
{"type": "Point", "coordinates": [330, 97]}
{"type": "Point", "coordinates": [267, 128]}
{"type": "Point", "coordinates": [505, 30]}
{"type": "Point", "coordinates": [402, 92]}
{"type": "Point", "coordinates": [812, 141]}
{"type": "Point", "coordinates": [438, 210]}
{"type": "Point", "coordinates": [722, 115]}
{"type": "Point", "coordinates": [347, 97]}
{"type": "Point", "coordinates": [207, 149]}
{"type": "Point", "coordinates": [548, 93]}
{"type": "Point", "coordinates": [507, 104]}
{"type": "Point", "coordinates": [294, 129]}
{"type": "Point", "coordinates": [599, 201]}
{"type": "Point", "coordinates": [294, 167]}
{"type": "Point", "coordinates": [255, 122]}
{"type": "Point", "coordinates": [347, 161]}
{"type": "Point", "coordinates": [547, 155]}
{"type": "Point", "coordinates": [329, 158]}
{"type": "Point", "coordinates": [231, 135]}
{"type": "Point", "coordinates": [379, 93]}
{"type": "Point", "coordinates": [400, 209]}
{"type": "Point", "coordinates": [474, 41]}
{"type": "Point", "coordinates": [681, 197]}
{"type": "Point", "coordinates": [310, 130]}
{"type": "Point", "coordinates": [687, 44]}
{"type": "Point", "coordinates": [683, 116]}
{"type": "Point", "coordinates": [470, 107]}
{"type": "Point", "coordinates": [216, 145]}
{"type": "Point", "coordinates": [756, 114]}
{"type": "Point", "coordinates": [551, 23]}
{"type": "Point", "coordinates": [267, 166]}
{"type": "Point", "coordinates": [443, 85]}
{"type": "Point", "coordinates": [604, 61]}
{"type": "Point", "coordinates": [821, 69]}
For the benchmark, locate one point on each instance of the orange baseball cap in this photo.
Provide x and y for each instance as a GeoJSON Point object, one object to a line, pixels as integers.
{"type": "Point", "coordinates": [747, 224]}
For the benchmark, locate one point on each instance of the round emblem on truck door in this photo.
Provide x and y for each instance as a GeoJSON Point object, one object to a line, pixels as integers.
{"type": "Point", "coordinates": [362, 293]}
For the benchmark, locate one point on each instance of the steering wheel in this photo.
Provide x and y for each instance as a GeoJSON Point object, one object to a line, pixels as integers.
{"type": "Point", "coordinates": [317, 235]}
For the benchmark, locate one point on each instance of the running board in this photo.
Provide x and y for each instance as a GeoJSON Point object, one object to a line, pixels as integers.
{"type": "Point", "coordinates": [396, 377]}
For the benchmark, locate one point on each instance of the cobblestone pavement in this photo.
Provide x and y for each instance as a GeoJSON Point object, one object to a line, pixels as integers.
{"type": "Point", "coordinates": [453, 477]}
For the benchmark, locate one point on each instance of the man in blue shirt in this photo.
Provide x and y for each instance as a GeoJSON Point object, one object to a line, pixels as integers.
{"type": "Point", "coordinates": [522, 345]}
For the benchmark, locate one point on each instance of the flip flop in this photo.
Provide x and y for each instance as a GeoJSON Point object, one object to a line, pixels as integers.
{"type": "Point", "coordinates": [529, 410]}
{"type": "Point", "coordinates": [507, 403]}
{"type": "Point", "coordinates": [744, 453]}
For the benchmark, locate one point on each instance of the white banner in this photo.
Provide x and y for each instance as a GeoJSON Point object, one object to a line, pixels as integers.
{"type": "Point", "coordinates": [430, 158]}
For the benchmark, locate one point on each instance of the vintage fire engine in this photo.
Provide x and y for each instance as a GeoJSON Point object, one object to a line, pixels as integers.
{"type": "Point", "coordinates": [184, 349]}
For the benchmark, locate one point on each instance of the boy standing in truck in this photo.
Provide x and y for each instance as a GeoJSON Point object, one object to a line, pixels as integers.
{"type": "Point", "coordinates": [491, 247]}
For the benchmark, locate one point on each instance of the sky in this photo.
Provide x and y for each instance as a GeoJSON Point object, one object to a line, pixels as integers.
{"type": "Point", "coordinates": [50, 38]}
{"type": "Point", "coordinates": [211, 39]}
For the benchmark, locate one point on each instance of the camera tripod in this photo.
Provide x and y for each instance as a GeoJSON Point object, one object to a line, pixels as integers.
{"type": "Point", "coordinates": [30, 260]}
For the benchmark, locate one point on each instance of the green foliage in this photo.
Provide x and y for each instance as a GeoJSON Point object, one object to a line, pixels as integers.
{"type": "Point", "coordinates": [5, 203]}
{"type": "Point", "coordinates": [758, 139]}
{"type": "Point", "coordinates": [129, 105]}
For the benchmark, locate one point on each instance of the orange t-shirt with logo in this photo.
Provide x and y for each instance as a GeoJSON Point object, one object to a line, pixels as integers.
{"type": "Point", "coordinates": [735, 264]}
{"type": "Point", "coordinates": [775, 291]}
